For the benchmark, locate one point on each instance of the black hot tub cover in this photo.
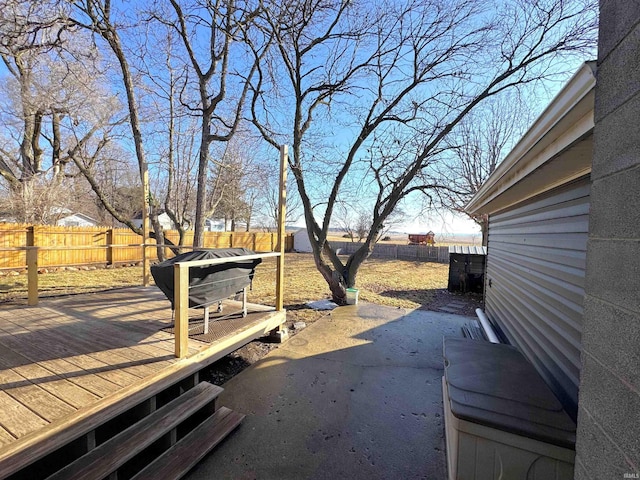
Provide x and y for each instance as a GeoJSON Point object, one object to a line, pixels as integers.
{"type": "Point", "coordinates": [211, 283]}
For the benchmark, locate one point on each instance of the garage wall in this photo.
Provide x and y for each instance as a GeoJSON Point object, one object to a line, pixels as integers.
{"type": "Point", "coordinates": [534, 285]}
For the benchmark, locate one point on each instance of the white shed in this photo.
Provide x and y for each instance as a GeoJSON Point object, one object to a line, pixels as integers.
{"type": "Point", "coordinates": [301, 241]}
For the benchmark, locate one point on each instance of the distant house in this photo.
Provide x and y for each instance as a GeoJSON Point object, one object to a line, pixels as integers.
{"type": "Point", "coordinates": [77, 220]}
{"type": "Point", "coordinates": [7, 218]}
{"type": "Point", "coordinates": [163, 218]}
{"type": "Point", "coordinates": [210, 224]}
{"type": "Point", "coordinates": [67, 218]}
{"type": "Point", "coordinates": [214, 225]}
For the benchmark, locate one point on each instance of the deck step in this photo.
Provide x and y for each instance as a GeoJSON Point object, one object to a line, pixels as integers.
{"type": "Point", "coordinates": [115, 452]}
{"type": "Point", "coordinates": [184, 455]}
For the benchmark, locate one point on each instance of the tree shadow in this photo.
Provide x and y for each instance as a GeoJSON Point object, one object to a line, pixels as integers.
{"type": "Point", "coordinates": [437, 298]}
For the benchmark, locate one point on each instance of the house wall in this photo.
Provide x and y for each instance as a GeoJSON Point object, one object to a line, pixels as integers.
{"type": "Point", "coordinates": [608, 441]}
{"type": "Point", "coordinates": [75, 221]}
{"type": "Point", "coordinates": [534, 283]}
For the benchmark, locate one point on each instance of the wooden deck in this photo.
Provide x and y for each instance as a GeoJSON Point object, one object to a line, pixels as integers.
{"type": "Point", "coordinates": [67, 359]}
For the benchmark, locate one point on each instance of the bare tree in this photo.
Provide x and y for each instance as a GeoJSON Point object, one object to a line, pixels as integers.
{"type": "Point", "coordinates": [97, 16]}
{"type": "Point", "coordinates": [392, 81]}
{"type": "Point", "coordinates": [476, 147]}
{"type": "Point", "coordinates": [226, 27]}
{"type": "Point", "coordinates": [355, 222]}
{"type": "Point", "coordinates": [55, 108]}
{"type": "Point", "coordinates": [173, 130]}
{"type": "Point", "coordinates": [268, 195]}
{"type": "Point", "coordinates": [28, 33]}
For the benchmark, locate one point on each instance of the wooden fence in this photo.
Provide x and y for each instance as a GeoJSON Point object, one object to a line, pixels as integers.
{"type": "Point", "coordinates": [399, 252]}
{"type": "Point", "coordinates": [70, 246]}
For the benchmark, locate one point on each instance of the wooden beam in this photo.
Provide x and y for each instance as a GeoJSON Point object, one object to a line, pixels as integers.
{"type": "Point", "coordinates": [110, 241]}
{"type": "Point", "coordinates": [282, 207]}
{"type": "Point", "coordinates": [181, 304]}
{"type": "Point", "coordinates": [32, 267]}
{"type": "Point", "coordinates": [145, 225]}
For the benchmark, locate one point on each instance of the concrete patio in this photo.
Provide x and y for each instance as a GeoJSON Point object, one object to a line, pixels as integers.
{"type": "Point", "coordinates": [355, 395]}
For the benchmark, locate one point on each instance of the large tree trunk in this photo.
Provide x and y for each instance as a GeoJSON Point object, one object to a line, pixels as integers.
{"type": "Point", "coordinates": [159, 233]}
{"type": "Point", "coordinates": [201, 193]}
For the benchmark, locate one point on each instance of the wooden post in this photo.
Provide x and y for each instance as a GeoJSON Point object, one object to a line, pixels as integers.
{"type": "Point", "coordinates": [145, 225]}
{"type": "Point", "coordinates": [110, 242]}
{"type": "Point", "coordinates": [282, 206]}
{"type": "Point", "coordinates": [181, 304]}
{"type": "Point", "coordinates": [32, 275]}
{"type": "Point", "coordinates": [32, 267]}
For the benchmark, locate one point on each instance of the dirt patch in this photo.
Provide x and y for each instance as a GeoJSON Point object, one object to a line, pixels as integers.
{"type": "Point", "coordinates": [465, 304]}
{"type": "Point", "coordinates": [227, 367]}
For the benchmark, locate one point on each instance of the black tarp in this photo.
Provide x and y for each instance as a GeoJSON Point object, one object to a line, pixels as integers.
{"type": "Point", "coordinates": [211, 283]}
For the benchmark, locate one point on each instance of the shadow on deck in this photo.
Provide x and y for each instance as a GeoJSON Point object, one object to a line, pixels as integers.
{"type": "Point", "coordinates": [72, 364]}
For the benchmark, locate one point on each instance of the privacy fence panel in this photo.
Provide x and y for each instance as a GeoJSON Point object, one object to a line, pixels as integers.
{"type": "Point", "coordinates": [69, 246]}
{"type": "Point", "coordinates": [398, 252]}
{"type": "Point", "coordinates": [13, 235]}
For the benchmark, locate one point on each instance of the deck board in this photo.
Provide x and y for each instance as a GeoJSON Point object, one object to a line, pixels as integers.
{"type": "Point", "coordinates": [45, 404]}
{"type": "Point", "coordinates": [16, 418]}
{"type": "Point", "coordinates": [5, 437]}
{"type": "Point", "coordinates": [70, 357]}
{"type": "Point", "coordinates": [67, 391]}
{"type": "Point", "coordinates": [59, 367]}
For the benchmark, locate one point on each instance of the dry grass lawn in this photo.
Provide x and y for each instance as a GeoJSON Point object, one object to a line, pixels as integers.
{"type": "Point", "coordinates": [386, 282]}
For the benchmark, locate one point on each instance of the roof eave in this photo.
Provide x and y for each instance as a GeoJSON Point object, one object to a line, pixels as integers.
{"type": "Point", "coordinates": [567, 119]}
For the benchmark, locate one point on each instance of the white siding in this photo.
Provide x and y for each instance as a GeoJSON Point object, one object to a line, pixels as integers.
{"type": "Point", "coordinates": [535, 282]}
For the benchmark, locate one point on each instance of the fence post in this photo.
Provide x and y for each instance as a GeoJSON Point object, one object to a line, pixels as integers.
{"type": "Point", "coordinates": [110, 241]}
{"type": "Point", "coordinates": [32, 267]}
{"type": "Point", "coordinates": [32, 275]}
{"type": "Point", "coordinates": [181, 305]}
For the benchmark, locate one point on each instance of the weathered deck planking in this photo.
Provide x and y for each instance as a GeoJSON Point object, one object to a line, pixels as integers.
{"type": "Point", "coordinates": [60, 387]}
{"type": "Point", "coordinates": [70, 357]}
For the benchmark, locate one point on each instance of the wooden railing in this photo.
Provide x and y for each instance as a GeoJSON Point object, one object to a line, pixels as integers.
{"type": "Point", "coordinates": [181, 293]}
{"type": "Point", "coordinates": [33, 264]}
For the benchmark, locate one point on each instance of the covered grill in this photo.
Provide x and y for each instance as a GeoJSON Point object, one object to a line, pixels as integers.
{"type": "Point", "coordinates": [209, 284]}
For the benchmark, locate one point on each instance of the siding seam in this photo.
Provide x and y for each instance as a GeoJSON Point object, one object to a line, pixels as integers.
{"type": "Point", "coordinates": [615, 239]}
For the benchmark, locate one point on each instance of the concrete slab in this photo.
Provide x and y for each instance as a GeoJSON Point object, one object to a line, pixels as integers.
{"type": "Point", "coordinates": [356, 395]}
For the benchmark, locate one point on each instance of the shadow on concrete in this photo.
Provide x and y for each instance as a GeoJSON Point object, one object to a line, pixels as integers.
{"type": "Point", "coordinates": [354, 396]}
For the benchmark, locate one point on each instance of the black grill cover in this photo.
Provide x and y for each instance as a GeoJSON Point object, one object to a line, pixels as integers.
{"type": "Point", "coordinates": [211, 283]}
